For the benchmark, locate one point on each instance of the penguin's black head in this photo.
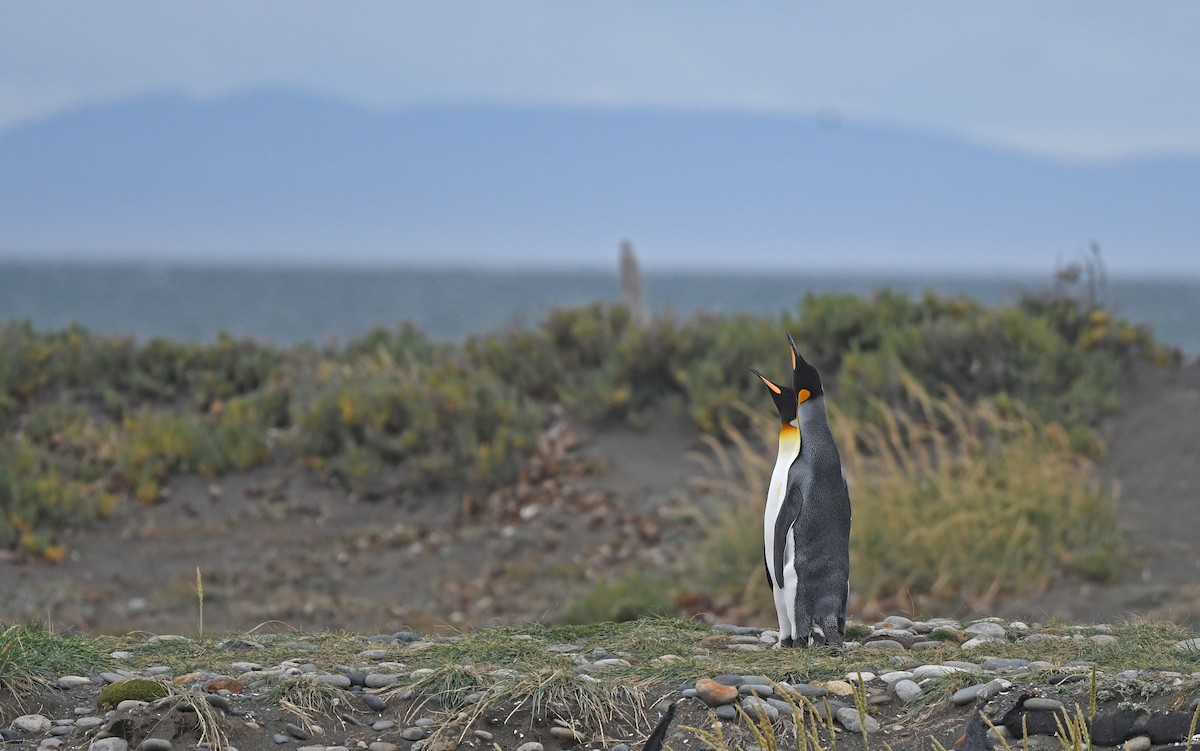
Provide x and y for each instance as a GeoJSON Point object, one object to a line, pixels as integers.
{"type": "Point", "coordinates": [806, 381]}
{"type": "Point", "coordinates": [784, 396]}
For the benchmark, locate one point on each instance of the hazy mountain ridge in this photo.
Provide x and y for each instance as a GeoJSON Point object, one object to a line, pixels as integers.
{"type": "Point", "coordinates": [277, 173]}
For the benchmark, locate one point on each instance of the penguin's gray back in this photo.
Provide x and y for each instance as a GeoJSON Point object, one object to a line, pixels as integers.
{"type": "Point", "coordinates": [822, 524]}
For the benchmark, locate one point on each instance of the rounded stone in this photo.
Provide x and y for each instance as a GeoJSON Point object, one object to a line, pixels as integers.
{"type": "Point", "coordinates": [1043, 704]}
{"type": "Point", "coordinates": [531, 746]}
{"type": "Point", "coordinates": [71, 681]}
{"type": "Point", "coordinates": [155, 744]}
{"type": "Point", "coordinates": [1138, 743]}
{"type": "Point", "coordinates": [756, 707]}
{"type": "Point", "coordinates": [31, 723]}
{"type": "Point", "coordinates": [384, 725]}
{"type": "Point", "coordinates": [109, 744]}
{"type": "Point", "coordinates": [373, 702]}
{"type": "Point", "coordinates": [856, 723]}
{"type": "Point", "coordinates": [726, 712]}
{"type": "Point", "coordinates": [715, 694]}
{"type": "Point", "coordinates": [383, 746]}
{"type": "Point", "coordinates": [85, 723]}
{"type": "Point", "coordinates": [378, 680]}
{"type": "Point", "coordinates": [986, 628]}
{"type": "Point", "coordinates": [839, 688]}
{"type": "Point", "coordinates": [279, 738]}
{"type": "Point", "coordinates": [965, 696]}
{"type": "Point", "coordinates": [756, 689]}
{"type": "Point", "coordinates": [332, 679]}
{"type": "Point", "coordinates": [413, 734]}
{"type": "Point", "coordinates": [907, 690]}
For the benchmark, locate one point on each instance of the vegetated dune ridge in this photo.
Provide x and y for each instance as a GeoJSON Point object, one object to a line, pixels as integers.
{"type": "Point", "coordinates": [276, 544]}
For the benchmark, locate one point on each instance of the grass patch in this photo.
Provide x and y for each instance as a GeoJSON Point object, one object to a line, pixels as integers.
{"type": "Point", "coordinates": [30, 656]}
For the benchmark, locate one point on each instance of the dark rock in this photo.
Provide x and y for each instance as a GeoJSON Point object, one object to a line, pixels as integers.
{"type": "Point", "coordinates": [296, 731]}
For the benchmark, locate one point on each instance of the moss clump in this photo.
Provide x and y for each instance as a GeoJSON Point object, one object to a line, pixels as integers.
{"type": "Point", "coordinates": [140, 689]}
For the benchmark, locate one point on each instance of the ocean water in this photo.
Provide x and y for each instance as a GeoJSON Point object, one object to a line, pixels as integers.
{"type": "Point", "coordinates": [320, 305]}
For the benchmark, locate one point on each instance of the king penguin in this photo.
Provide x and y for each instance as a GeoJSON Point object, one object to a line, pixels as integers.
{"type": "Point", "coordinates": [814, 520]}
{"type": "Point", "coordinates": [782, 584]}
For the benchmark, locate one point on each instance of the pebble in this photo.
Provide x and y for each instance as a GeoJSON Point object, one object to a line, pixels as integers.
{"type": "Point", "coordinates": [933, 671]}
{"type": "Point", "coordinates": [714, 693]}
{"type": "Point", "coordinates": [979, 641]}
{"type": "Point", "coordinates": [406, 636]}
{"type": "Point", "coordinates": [296, 732]}
{"type": "Point", "coordinates": [965, 696]}
{"type": "Point", "coordinates": [566, 734]}
{"type": "Point", "coordinates": [919, 645]}
{"type": "Point", "coordinates": [1104, 640]}
{"type": "Point", "coordinates": [483, 735]}
{"type": "Point", "coordinates": [986, 628]}
{"type": "Point", "coordinates": [854, 675]}
{"type": "Point", "coordinates": [9, 735]}
{"type": "Point", "coordinates": [856, 723]}
{"type": "Point", "coordinates": [380, 680]}
{"type": "Point", "coordinates": [895, 675]}
{"type": "Point", "coordinates": [71, 681]}
{"type": "Point", "coordinates": [907, 690]}
{"type": "Point", "coordinates": [620, 747]}
{"type": "Point", "coordinates": [726, 712]}
{"type": "Point", "coordinates": [531, 746]}
{"type": "Point", "coordinates": [756, 707]}
{"type": "Point", "coordinates": [1187, 645]}
{"type": "Point", "coordinates": [384, 725]}
{"type": "Point", "coordinates": [332, 679]}
{"type": "Point", "coordinates": [562, 649]}
{"type": "Point", "coordinates": [86, 723]}
{"type": "Point", "coordinates": [109, 744]}
{"type": "Point", "coordinates": [31, 723]}
{"type": "Point", "coordinates": [279, 738]}
{"type": "Point", "coordinates": [753, 689]}
{"type": "Point", "coordinates": [839, 688]}
{"type": "Point", "coordinates": [808, 691]}
{"type": "Point", "coordinates": [155, 744]}
{"type": "Point", "coordinates": [46, 742]}
{"type": "Point", "coordinates": [729, 680]}
{"type": "Point", "coordinates": [1139, 743]}
{"type": "Point", "coordinates": [1041, 703]}
{"type": "Point", "coordinates": [62, 730]}
{"type": "Point", "coordinates": [113, 677]}
{"type": "Point", "coordinates": [383, 746]}
{"type": "Point", "coordinates": [424, 722]}
{"type": "Point", "coordinates": [883, 644]}
{"type": "Point", "coordinates": [1000, 664]}
{"type": "Point", "coordinates": [413, 734]}
{"type": "Point", "coordinates": [895, 622]}
{"type": "Point", "coordinates": [739, 630]}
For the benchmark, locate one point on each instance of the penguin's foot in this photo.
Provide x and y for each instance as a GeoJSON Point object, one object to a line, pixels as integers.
{"type": "Point", "coordinates": [786, 642]}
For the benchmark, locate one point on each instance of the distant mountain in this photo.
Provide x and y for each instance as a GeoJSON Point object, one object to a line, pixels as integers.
{"type": "Point", "coordinates": [269, 175]}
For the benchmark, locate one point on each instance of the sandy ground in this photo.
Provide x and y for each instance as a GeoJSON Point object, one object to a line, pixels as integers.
{"type": "Point", "coordinates": [278, 545]}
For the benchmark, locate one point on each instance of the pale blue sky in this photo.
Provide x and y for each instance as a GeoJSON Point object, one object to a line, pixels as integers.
{"type": "Point", "coordinates": [1071, 79]}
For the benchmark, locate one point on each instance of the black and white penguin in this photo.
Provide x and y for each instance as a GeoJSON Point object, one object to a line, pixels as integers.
{"type": "Point", "coordinates": [814, 520]}
{"type": "Point", "coordinates": [782, 584]}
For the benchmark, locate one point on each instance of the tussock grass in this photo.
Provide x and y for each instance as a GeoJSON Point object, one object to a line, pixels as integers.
{"type": "Point", "coordinates": [29, 656]}
{"type": "Point", "coordinates": [953, 502]}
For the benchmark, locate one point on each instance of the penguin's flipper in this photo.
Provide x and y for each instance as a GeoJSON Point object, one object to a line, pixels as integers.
{"type": "Point", "coordinates": [793, 502]}
{"type": "Point", "coordinates": [655, 741]}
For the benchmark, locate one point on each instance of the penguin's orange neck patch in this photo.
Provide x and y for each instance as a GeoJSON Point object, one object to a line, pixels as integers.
{"type": "Point", "coordinates": [802, 396]}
